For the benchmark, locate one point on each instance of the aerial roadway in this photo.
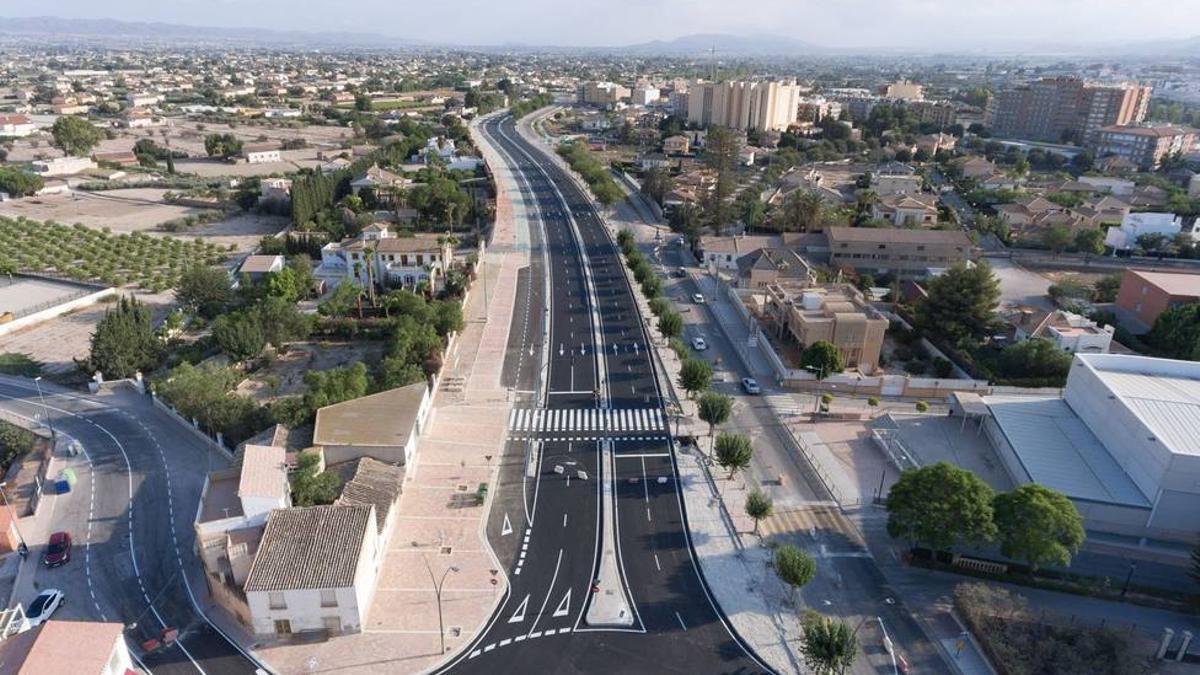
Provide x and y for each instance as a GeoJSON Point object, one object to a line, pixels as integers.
{"type": "Point", "coordinates": [590, 525]}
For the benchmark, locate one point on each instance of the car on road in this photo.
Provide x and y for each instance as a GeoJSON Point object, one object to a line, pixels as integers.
{"type": "Point", "coordinates": [43, 606]}
{"type": "Point", "coordinates": [698, 299]}
{"type": "Point", "coordinates": [58, 550]}
{"type": "Point", "coordinates": [699, 344]}
{"type": "Point", "coordinates": [680, 272]}
{"type": "Point", "coordinates": [750, 386]}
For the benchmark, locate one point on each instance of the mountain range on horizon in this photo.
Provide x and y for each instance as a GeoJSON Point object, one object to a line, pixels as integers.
{"type": "Point", "coordinates": [699, 45]}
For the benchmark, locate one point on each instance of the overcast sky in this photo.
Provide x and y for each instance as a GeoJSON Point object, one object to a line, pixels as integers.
{"type": "Point", "coordinates": [836, 23]}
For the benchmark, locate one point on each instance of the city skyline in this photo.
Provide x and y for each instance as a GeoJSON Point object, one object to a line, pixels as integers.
{"type": "Point", "coordinates": [930, 25]}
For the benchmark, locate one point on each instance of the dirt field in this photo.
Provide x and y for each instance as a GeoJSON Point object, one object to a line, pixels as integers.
{"type": "Point", "coordinates": [286, 376]}
{"type": "Point", "coordinates": [56, 343]}
{"type": "Point", "coordinates": [293, 160]}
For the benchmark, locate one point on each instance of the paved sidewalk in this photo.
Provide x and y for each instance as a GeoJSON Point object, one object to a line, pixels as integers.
{"type": "Point", "coordinates": [439, 523]}
{"type": "Point", "coordinates": [738, 575]}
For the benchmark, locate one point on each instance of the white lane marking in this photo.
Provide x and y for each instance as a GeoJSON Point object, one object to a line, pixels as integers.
{"type": "Point", "coordinates": [507, 528]}
{"type": "Point", "coordinates": [519, 615]}
{"type": "Point", "coordinates": [505, 642]}
{"type": "Point", "coordinates": [564, 607]}
{"type": "Point", "coordinates": [657, 566]}
{"type": "Point", "coordinates": [549, 590]}
{"type": "Point", "coordinates": [681, 623]}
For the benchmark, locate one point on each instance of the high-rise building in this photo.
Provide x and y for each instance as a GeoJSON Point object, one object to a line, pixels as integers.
{"type": "Point", "coordinates": [765, 106]}
{"type": "Point", "coordinates": [1066, 109]}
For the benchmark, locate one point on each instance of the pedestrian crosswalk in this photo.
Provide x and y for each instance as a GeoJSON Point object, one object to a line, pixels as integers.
{"type": "Point", "coordinates": [589, 421]}
{"type": "Point", "coordinates": [816, 521]}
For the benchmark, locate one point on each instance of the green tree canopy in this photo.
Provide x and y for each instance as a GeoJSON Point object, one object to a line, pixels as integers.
{"type": "Point", "coordinates": [695, 376]}
{"type": "Point", "coordinates": [75, 135]}
{"type": "Point", "coordinates": [939, 506]}
{"type": "Point", "coordinates": [714, 408]}
{"type": "Point", "coordinates": [310, 488]}
{"type": "Point", "coordinates": [222, 145]}
{"type": "Point", "coordinates": [124, 342]}
{"type": "Point", "coordinates": [205, 393]}
{"type": "Point", "coordinates": [1057, 238]}
{"type": "Point", "coordinates": [1034, 358]}
{"type": "Point", "coordinates": [759, 505]}
{"type": "Point", "coordinates": [1176, 332]}
{"type": "Point", "coordinates": [326, 387]}
{"type": "Point", "coordinates": [239, 334]}
{"type": "Point", "coordinates": [733, 452]}
{"type": "Point", "coordinates": [204, 290]}
{"type": "Point", "coordinates": [1090, 241]}
{"type": "Point", "coordinates": [822, 358]}
{"type": "Point", "coordinates": [1038, 525]}
{"type": "Point", "coordinates": [961, 304]}
{"type": "Point", "coordinates": [20, 183]}
{"type": "Point", "coordinates": [794, 567]}
{"type": "Point", "coordinates": [830, 647]}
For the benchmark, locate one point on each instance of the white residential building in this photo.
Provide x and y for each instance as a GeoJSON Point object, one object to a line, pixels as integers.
{"type": "Point", "coordinates": [378, 256]}
{"type": "Point", "coordinates": [644, 94]}
{"type": "Point", "coordinates": [1134, 225]}
{"type": "Point", "coordinates": [142, 99]}
{"type": "Point", "coordinates": [1070, 332]}
{"type": "Point", "coordinates": [261, 154]}
{"type": "Point", "coordinates": [17, 126]}
{"type": "Point", "coordinates": [62, 166]}
{"type": "Point", "coordinates": [315, 571]}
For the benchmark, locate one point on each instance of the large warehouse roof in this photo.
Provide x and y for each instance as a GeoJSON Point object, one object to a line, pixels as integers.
{"type": "Point", "coordinates": [1058, 450]}
{"type": "Point", "coordinates": [1163, 393]}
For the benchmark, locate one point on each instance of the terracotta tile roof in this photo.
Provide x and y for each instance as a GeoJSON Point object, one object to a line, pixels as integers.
{"type": "Point", "coordinates": [370, 482]}
{"type": "Point", "coordinates": [57, 647]}
{"type": "Point", "coordinates": [310, 547]}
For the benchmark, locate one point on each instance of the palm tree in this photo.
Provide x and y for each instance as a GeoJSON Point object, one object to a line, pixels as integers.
{"type": "Point", "coordinates": [802, 210]}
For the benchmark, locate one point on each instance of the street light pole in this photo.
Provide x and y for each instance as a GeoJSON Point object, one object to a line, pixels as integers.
{"type": "Point", "coordinates": [37, 381]}
{"type": "Point", "coordinates": [12, 516]}
{"type": "Point", "coordinates": [437, 591]}
{"type": "Point", "coordinates": [1128, 577]}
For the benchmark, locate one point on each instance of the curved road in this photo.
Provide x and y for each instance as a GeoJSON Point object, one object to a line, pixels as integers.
{"type": "Point", "coordinates": [130, 516]}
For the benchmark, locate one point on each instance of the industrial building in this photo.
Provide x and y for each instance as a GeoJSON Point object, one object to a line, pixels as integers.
{"type": "Point", "coordinates": [1121, 442]}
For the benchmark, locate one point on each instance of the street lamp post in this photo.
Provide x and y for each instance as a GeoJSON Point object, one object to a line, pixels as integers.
{"type": "Point", "coordinates": [1128, 577]}
{"type": "Point", "coordinates": [821, 374]}
{"type": "Point", "coordinates": [37, 381]}
{"type": "Point", "coordinates": [12, 516]}
{"type": "Point", "coordinates": [437, 591]}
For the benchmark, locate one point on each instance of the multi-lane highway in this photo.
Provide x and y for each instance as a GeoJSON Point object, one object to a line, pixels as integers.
{"type": "Point", "coordinates": [592, 512]}
{"type": "Point", "coordinates": [130, 516]}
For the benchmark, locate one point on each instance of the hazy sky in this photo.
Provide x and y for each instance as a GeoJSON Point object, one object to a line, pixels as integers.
{"type": "Point", "coordinates": [848, 23]}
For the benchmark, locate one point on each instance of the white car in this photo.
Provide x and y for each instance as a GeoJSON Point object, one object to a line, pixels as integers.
{"type": "Point", "coordinates": [698, 299]}
{"type": "Point", "coordinates": [699, 344]}
{"type": "Point", "coordinates": [45, 604]}
{"type": "Point", "coordinates": [750, 386]}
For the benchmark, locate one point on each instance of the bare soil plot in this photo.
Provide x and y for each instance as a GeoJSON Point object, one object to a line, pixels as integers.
{"type": "Point", "coordinates": [285, 377]}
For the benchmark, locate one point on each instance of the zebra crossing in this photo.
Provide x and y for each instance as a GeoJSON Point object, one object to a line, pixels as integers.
{"type": "Point", "coordinates": [813, 520]}
{"type": "Point", "coordinates": [587, 423]}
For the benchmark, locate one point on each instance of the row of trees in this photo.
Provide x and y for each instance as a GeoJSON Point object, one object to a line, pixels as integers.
{"type": "Point", "coordinates": [593, 171]}
{"type": "Point", "coordinates": [942, 506]}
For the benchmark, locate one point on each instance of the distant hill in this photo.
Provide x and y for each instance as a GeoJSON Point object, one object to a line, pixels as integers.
{"type": "Point", "coordinates": [725, 45]}
{"type": "Point", "coordinates": [112, 29]}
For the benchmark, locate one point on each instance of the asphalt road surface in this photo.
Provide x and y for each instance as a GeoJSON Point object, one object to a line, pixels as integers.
{"type": "Point", "coordinates": [589, 379]}
{"type": "Point", "coordinates": [130, 516]}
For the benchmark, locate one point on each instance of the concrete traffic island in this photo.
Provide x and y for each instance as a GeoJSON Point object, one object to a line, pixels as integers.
{"type": "Point", "coordinates": [609, 603]}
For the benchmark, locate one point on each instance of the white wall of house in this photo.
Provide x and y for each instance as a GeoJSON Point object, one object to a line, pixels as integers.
{"type": "Point", "coordinates": [316, 609]}
{"type": "Point", "coordinates": [119, 661]}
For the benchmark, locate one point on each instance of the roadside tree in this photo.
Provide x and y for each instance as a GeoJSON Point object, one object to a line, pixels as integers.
{"type": "Point", "coordinates": [961, 304]}
{"type": "Point", "coordinates": [733, 452]}
{"type": "Point", "coordinates": [124, 342]}
{"type": "Point", "coordinates": [822, 358]}
{"type": "Point", "coordinates": [759, 505]}
{"type": "Point", "coordinates": [830, 647]}
{"type": "Point", "coordinates": [794, 567]}
{"type": "Point", "coordinates": [940, 505]}
{"type": "Point", "coordinates": [1038, 525]}
{"type": "Point", "coordinates": [695, 376]}
{"type": "Point", "coordinates": [714, 409]}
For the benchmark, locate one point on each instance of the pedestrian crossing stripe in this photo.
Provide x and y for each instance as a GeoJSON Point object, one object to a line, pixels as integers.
{"type": "Point", "coordinates": [808, 520]}
{"type": "Point", "coordinates": [578, 439]}
{"type": "Point", "coordinates": [586, 419]}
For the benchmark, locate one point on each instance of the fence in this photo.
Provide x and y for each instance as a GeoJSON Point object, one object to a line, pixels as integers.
{"type": "Point", "coordinates": [217, 442]}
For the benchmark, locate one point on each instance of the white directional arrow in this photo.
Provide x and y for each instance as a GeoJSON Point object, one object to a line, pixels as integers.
{"type": "Point", "coordinates": [614, 348]}
{"type": "Point", "coordinates": [635, 348]}
{"type": "Point", "coordinates": [565, 606]}
{"type": "Point", "coordinates": [560, 349]}
{"type": "Point", "coordinates": [519, 615]}
{"type": "Point", "coordinates": [506, 529]}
